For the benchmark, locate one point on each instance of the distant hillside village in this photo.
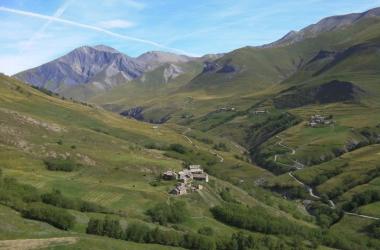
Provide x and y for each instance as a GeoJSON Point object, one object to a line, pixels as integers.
{"type": "Point", "coordinates": [185, 179]}
{"type": "Point", "coordinates": [319, 121]}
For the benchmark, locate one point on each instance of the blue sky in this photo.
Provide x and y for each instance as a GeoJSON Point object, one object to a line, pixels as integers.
{"type": "Point", "coordinates": [33, 32]}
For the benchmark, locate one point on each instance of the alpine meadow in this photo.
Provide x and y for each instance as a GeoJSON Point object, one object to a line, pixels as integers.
{"type": "Point", "coordinates": [268, 146]}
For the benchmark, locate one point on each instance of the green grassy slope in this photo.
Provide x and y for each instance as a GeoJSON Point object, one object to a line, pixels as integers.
{"type": "Point", "coordinates": [117, 169]}
{"type": "Point", "coordinates": [250, 75]}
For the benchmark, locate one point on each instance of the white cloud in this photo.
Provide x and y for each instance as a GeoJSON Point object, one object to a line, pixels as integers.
{"type": "Point", "coordinates": [116, 24]}
{"type": "Point", "coordinates": [91, 27]}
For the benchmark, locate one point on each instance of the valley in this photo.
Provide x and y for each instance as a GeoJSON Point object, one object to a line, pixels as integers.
{"type": "Point", "coordinates": [288, 135]}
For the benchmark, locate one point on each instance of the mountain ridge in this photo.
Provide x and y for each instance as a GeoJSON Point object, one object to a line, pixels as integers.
{"type": "Point", "coordinates": [324, 25]}
{"type": "Point", "coordinates": [102, 65]}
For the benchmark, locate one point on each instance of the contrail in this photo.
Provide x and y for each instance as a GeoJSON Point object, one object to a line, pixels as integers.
{"type": "Point", "coordinates": [90, 27]}
{"type": "Point", "coordinates": [58, 13]}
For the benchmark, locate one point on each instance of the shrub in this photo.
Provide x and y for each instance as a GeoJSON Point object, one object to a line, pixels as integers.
{"type": "Point", "coordinates": [107, 227]}
{"type": "Point", "coordinates": [207, 140]}
{"type": "Point", "coordinates": [95, 226]}
{"type": "Point", "coordinates": [164, 213]}
{"type": "Point", "coordinates": [257, 219]}
{"type": "Point", "coordinates": [374, 229]}
{"type": "Point", "coordinates": [56, 198]}
{"type": "Point", "coordinates": [225, 194]}
{"type": "Point", "coordinates": [198, 242]}
{"type": "Point", "coordinates": [57, 217]}
{"type": "Point", "coordinates": [208, 231]}
{"type": "Point", "coordinates": [324, 214]}
{"type": "Point", "coordinates": [137, 232]}
{"type": "Point", "coordinates": [60, 165]}
{"type": "Point", "coordinates": [221, 147]}
{"type": "Point", "coordinates": [153, 145]}
{"type": "Point", "coordinates": [360, 199]}
{"type": "Point", "coordinates": [11, 190]}
{"type": "Point", "coordinates": [177, 148]}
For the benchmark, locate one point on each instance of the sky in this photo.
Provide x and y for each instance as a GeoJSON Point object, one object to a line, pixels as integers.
{"type": "Point", "coordinates": [33, 32]}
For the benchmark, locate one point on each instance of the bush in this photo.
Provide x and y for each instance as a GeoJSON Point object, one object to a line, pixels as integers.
{"type": "Point", "coordinates": [324, 214]}
{"type": "Point", "coordinates": [56, 198]}
{"type": "Point", "coordinates": [198, 242]}
{"type": "Point", "coordinates": [13, 192]}
{"type": "Point", "coordinates": [164, 213]}
{"type": "Point", "coordinates": [221, 147]}
{"type": "Point", "coordinates": [57, 217]}
{"type": "Point", "coordinates": [152, 145]}
{"type": "Point", "coordinates": [257, 219]}
{"type": "Point", "coordinates": [374, 229]}
{"type": "Point", "coordinates": [60, 165]}
{"type": "Point", "coordinates": [226, 195]}
{"type": "Point", "coordinates": [360, 199]}
{"type": "Point", "coordinates": [206, 140]}
{"type": "Point", "coordinates": [95, 226]}
{"type": "Point", "coordinates": [137, 232]}
{"type": "Point", "coordinates": [177, 148]}
{"type": "Point", "coordinates": [208, 231]}
{"type": "Point", "coordinates": [107, 227]}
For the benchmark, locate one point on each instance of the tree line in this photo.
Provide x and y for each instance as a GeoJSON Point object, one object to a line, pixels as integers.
{"type": "Point", "coordinates": [48, 207]}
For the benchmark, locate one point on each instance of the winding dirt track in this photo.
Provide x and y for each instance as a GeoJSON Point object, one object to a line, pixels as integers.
{"type": "Point", "coordinates": [297, 164]}
{"type": "Point", "coordinates": [28, 244]}
{"type": "Point", "coordinates": [332, 204]}
{"type": "Point", "coordinates": [221, 159]}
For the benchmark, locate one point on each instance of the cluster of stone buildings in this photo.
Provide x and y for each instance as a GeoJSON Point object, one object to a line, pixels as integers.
{"type": "Point", "coordinates": [185, 179]}
{"type": "Point", "coordinates": [319, 120]}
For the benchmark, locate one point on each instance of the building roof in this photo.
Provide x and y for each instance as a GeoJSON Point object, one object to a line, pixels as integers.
{"type": "Point", "coordinates": [203, 175]}
{"type": "Point", "coordinates": [195, 167]}
{"type": "Point", "coordinates": [170, 173]}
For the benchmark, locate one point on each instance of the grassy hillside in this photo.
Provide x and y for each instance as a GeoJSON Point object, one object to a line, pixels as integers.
{"type": "Point", "coordinates": [276, 181]}
{"type": "Point", "coordinates": [117, 163]}
{"type": "Point", "coordinates": [244, 78]}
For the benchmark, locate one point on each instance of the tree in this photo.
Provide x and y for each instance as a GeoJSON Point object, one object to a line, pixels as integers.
{"type": "Point", "coordinates": [112, 228]}
{"type": "Point", "coordinates": [95, 226]}
{"type": "Point", "coordinates": [208, 231]}
{"type": "Point", "coordinates": [164, 213]}
{"type": "Point", "coordinates": [177, 148]}
{"type": "Point", "coordinates": [137, 232]}
{"type": "Point", "coordinates": [57, 217]}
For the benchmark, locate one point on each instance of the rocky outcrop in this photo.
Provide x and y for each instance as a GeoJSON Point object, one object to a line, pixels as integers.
{"type": "Point", "coordinates": [210, 67]}
{"type": "Point", "coordinates": [227, 69]}
{"type": "Point", "coordinates": [135, 113]}
{"type": "Point", "coordinates": [172, 72]}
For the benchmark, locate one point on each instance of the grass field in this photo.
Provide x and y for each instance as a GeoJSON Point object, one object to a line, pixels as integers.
{"type": "Point", "coordinates": [115, 168]}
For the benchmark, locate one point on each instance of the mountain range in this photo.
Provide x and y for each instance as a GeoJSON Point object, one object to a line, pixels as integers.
{"type": "Point", "coordinates": [102, 68]}
{"type": "Point", "coordinates": [288, 134]}
{"type": "Point", "coordinates": [100, 65]}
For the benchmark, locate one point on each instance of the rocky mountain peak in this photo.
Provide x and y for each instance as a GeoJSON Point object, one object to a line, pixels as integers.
{"type": "Point", "coordinates": [105, 48]}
